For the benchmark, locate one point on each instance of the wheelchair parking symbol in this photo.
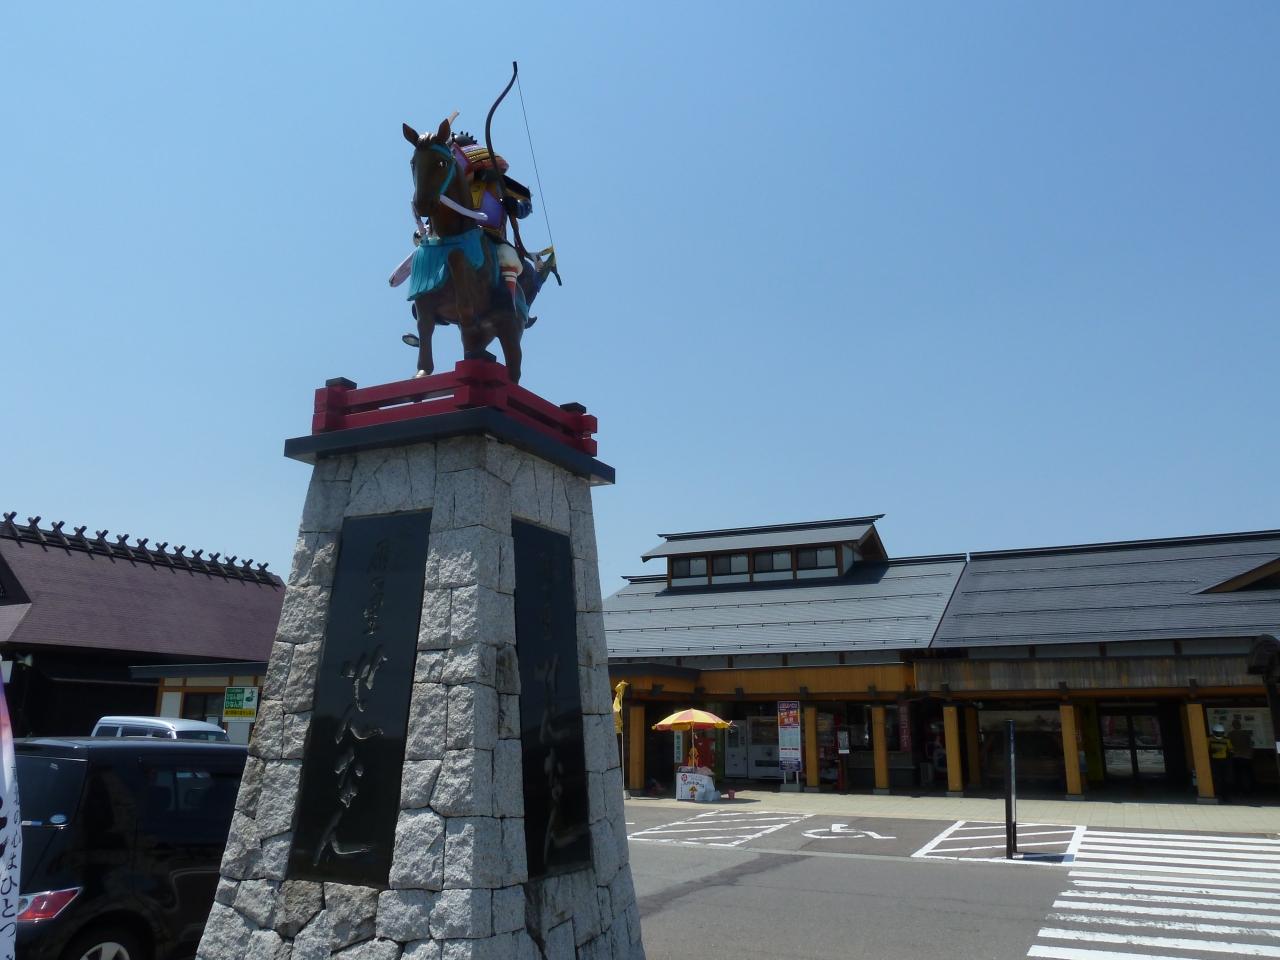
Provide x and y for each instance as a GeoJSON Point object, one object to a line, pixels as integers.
{"type": "Point", "coordinates": [838, 830]}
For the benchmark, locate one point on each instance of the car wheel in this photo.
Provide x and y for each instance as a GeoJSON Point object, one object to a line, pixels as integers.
{"type": "Point", "coordinates": [104, 943]}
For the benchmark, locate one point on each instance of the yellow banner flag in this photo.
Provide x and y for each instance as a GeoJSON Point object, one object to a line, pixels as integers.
{"type": "Point", "coordinates": [618, 691]}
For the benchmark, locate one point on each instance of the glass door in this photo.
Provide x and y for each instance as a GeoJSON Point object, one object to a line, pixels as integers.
{"type": "Point", "coordinates": [1117, 751]}
{"type": "Point", "coordinates": [1148, 745]}
{"type": "Point", "coordinates": [1132, 745]}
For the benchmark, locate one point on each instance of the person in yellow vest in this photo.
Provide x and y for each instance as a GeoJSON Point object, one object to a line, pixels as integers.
{"type": "Point", "coordinates": [1220, 753]}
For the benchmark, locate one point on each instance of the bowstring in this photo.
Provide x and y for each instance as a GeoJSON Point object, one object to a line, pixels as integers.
{"type": "Point", "coordinates": [546, 216]}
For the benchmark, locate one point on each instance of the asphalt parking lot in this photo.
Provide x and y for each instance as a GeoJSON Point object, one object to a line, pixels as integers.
{"type": "Point", "coordinates": [753, 828]}
{"type": "Point", "coordinates": [759, 880]}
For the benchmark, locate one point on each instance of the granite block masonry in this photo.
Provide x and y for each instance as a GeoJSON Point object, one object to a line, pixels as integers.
{"type": "Point", "coordinates": [433, 774]}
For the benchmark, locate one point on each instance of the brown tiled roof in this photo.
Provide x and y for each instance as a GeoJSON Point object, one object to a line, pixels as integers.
{"type": "Point", "coordinates": [100, 592]}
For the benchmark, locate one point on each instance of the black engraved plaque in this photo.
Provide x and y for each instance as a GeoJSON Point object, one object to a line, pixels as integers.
{"type": "Point", "coordinates": [349, 797]}
{"type": "Point", "coordinates": [557, 819]}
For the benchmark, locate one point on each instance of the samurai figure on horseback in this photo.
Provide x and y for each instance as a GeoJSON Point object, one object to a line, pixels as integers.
{"type": "Point", "coordinates": [465, 270]}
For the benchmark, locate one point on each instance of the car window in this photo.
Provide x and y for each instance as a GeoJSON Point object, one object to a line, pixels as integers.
{"type": "Point", "coordinates": [188, 802]}
{"type": "Point", "coordinates": [217, 736]}
{"type": "Point", "coordinates": [135, 731]}
{"type": "Point", "coordinates": [107, 731]}
{"type": "Point", "coordinates": [49, 788]}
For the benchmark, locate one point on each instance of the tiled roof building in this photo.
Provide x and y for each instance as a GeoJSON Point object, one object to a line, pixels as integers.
{"type": "Point", "coordinates": [1115, 657]}
{"type": "Point", "coordinates": [78, 610]}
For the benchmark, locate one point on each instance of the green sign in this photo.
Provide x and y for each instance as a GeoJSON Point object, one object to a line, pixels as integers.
{"type": "Point", "coordinates": [240, 703]}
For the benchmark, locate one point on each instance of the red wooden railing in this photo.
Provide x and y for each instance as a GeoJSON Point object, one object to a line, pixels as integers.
{"type": "Point", "coordinates": [340, 405]}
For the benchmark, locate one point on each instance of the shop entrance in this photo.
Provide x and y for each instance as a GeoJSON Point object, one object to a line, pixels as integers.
{"type": "Point", "coordinates": [1133, 747]}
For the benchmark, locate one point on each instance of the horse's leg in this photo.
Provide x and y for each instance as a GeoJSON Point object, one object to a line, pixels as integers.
{"type": "Point", "coordinates": [426, 327]}
{"type": "Point", "coordinates": [474, 343]}
{"type": "Point", "coordinates": [467, 296]}
{"type": "Point", "coordinates": [512, 353]}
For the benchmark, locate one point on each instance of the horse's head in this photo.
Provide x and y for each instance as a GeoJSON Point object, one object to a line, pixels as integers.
{"type": "Point", "coordinates": [433, 167]}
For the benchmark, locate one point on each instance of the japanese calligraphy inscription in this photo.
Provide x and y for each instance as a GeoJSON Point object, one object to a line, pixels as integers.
{"type": "Point", "coordinates": [557, 826]}
{"type": "Point", "coordinates": [350, 788]}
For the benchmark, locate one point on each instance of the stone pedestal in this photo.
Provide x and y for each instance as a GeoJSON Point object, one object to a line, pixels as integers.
{"type": "Point", "coordinates": [434, 771]}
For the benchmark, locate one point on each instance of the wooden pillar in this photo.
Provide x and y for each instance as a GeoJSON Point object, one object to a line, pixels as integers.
{"type": "Point", "coordinates": [973, 748]}
{"type": "Point", "coordinates": [951, 740]}
{"type": "Point", "coordinates": [635, 747]}
{"type": "Point", "coordinates": [1186, 740]}
{"type": "Point", "coordinates": [1200, 752]}
{"type": "Point", "coordinates": [811, 780]}
{"type": "Point", "coordinates": [1071, 749]}
{"type": "Point", "coordinates": [879, 750]}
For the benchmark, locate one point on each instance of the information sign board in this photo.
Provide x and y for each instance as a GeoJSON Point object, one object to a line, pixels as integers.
{"type": "Point", "coordinates": [789, 735]}
{"type": "Point", "coordinates": [240, 703]}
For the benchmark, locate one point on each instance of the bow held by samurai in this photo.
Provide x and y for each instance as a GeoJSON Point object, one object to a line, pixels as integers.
{"type": "Point", "coordinates": [467, 269]}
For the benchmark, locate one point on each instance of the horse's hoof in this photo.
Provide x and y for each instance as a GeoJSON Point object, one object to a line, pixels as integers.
{"type": "Point", "coordinates": [420, 374]}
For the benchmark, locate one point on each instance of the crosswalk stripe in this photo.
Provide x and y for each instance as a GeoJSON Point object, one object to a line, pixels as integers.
{"type": "Point", "coordinates": [1046, 952]}
{"type": "Point", "coordinates": [1099, 872]}
{"type": "Point", "coordinates": [1149, 851]}
{"type": "Point", "coordinates": [1176, 943]}
{"type": "Point", "coordinates": [1148, 898]}
{"type": "Point", "coordinates": [1142, 841]}
{"type": "Point", "coordinates": [1132, 895]}
{"type": "Point", "coordinates": [1164, 911]}
{"type": "Point", "coordinates": [1215, 928]}
{"type": "Point", "coordinates": [1180, 864]}
{"type": "Point", "coordinates": [1185, 836]}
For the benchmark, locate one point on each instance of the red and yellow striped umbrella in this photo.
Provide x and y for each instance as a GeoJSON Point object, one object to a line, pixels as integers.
{"type": "Point", "coordinates": [692, 720]}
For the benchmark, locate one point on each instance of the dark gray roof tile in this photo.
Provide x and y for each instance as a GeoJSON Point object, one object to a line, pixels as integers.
{"type": "Point", "coordinates": [1148, 590]}
{"type": "Point", "coordinates": [879, 606]}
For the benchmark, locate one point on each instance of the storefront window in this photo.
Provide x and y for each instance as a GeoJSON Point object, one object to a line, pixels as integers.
{"type": "Point", "coordinates": [202, 706]}
{"type": "Point", "coordinates": [1037, 744]}
{"type": "Point", "coordinates": [897, 728]}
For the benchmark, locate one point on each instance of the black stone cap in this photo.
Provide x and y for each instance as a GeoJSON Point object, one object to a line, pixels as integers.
{"type": "Point", "coordinates": [477, 421]}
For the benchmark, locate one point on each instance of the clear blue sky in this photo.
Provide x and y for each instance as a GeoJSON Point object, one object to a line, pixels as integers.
{"type": "Point", "coordinates": [1008, 273]}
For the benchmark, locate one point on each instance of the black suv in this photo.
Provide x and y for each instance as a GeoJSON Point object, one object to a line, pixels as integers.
{"type": "Point", "coordinates": [122, 842]}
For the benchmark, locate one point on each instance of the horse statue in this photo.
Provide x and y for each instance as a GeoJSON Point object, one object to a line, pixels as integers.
{"type": "Point", "coordinates": [454, 275]}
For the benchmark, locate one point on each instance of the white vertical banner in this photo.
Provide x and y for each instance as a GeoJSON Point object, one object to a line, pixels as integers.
{"type": "Point", "coordinates": [10, 836]}
{"type": "Point", "coordinates": [789, 741]}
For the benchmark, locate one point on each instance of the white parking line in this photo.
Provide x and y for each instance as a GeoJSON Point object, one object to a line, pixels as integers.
{"type": "Point", "coordinates": [714, 829]}
{"type": "Point", "coordinates": [958, 825]}
{"type": "Point", "coordinates": [954, 843]}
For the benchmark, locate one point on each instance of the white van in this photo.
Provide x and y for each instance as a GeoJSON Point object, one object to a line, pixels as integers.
{"type": "Point", "coordinates": [164, 728]}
